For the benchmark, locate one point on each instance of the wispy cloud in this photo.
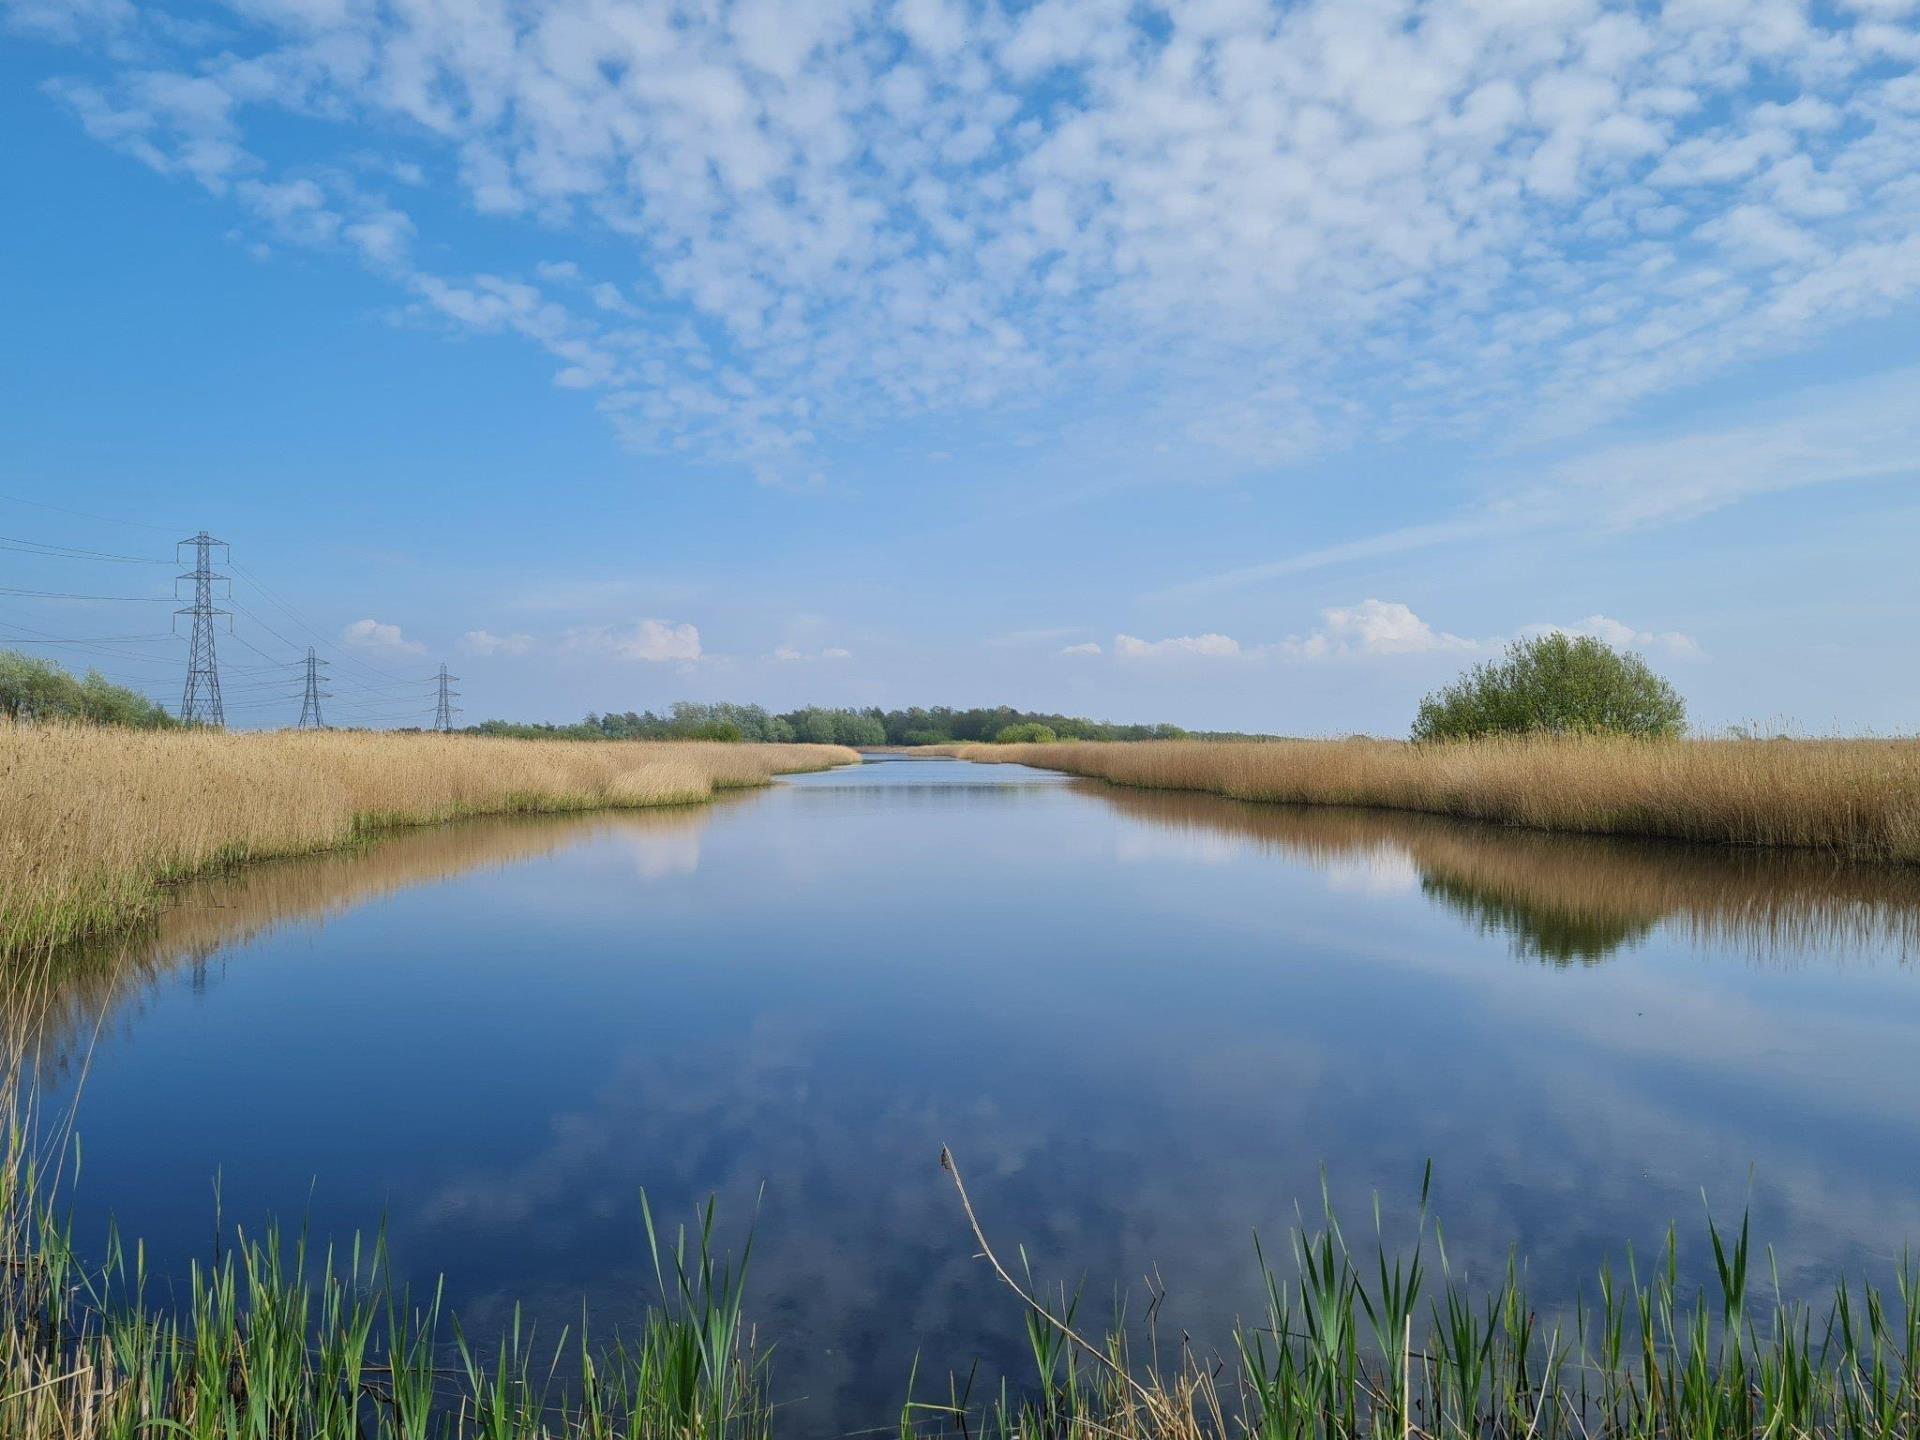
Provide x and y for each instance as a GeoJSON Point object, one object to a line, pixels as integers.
{"type": "Point", "coordinates": [791, 654]}
{"type": "Point", "coordinates": [1831, 434]}
{"type": "Point", "coordinates": [652, 641]}
{"type": "Point", "coordinates": [483, 642]}
{"type": "Point", "coordinates": [1042, 636]}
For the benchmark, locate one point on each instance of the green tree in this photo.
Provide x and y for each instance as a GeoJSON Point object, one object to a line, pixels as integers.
{"type": "Point", "coordinates": [1030, 733]}
{"type": "Point", "coordinates": [35, 689]}
{"type": "Point", "coordinates": [1559, 684]}
{"type": "Point", "coordinates": [104, 703]}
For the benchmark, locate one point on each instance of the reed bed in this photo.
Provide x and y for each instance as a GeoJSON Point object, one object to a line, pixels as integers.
{"type": "Point", "coordinates": [1391, 1342]}
{"type": "Point", "coordinates": [97, 821]}
{"type": "Point", "coordinates": [273, 1340]}
{"type": "Point", "coordinates": [1854, 798]}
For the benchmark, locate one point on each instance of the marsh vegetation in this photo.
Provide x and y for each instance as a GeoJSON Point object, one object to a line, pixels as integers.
{"type": "Point", "coordinates": [1858, 799]}
{"type": "Point", "coordinates": [98, 820]}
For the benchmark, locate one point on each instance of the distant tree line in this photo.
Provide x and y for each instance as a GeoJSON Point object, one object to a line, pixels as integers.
{"type": "Point", "coordinates": [940, 725]}
{"type": "Point", "coordinates": [32, 689]}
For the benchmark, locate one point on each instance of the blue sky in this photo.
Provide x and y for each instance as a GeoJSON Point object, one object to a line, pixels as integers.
{"type": "Point", "coordinates": [1228, 363]}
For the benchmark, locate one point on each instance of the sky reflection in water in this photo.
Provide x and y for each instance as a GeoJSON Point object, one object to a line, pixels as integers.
{"type": "Point", "coordinates": [1143, 1021]}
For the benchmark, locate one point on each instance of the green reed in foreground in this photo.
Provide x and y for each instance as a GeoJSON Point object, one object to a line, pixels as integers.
{"type": "Point", "coordinates": [275, 1341]}
{"type": "Point", "coordinates": [271, 1341]}
{"type": "Point", "coordinates": [1387, 1345]}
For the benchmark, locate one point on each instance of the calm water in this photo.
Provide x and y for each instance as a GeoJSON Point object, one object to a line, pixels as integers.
{"type": "Point", "coordinates": [1143, 1022]}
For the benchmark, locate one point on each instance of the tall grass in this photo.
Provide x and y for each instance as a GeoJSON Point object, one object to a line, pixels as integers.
{"type": "Point", "coordinates": [96, 821]}
{"type": "Point", "coordinates": [1392, 1341]}
{"type": "Point", "coordinates": [1855, 798]}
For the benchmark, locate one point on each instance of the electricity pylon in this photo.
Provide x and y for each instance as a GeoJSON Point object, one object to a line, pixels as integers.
{"type": "Point", "coordinates": [444, 710]}
{"type": "Point", "coordinates": [200, 699]}
{"type": "Point", "coordinates": [310, 704]}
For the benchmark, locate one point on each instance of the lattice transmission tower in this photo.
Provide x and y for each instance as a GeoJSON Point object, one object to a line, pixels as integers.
{"type": "Point", "coordinates": [200, 699]}
{"type": "Point", "coordinates": [310, 718]}
{"type": "Point", "coordinates": [444, 709]}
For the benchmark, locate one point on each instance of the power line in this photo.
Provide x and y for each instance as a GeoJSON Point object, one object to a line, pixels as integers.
{"type": "Point", "coordinates": [89, 515]}
{"type": "Point", "coordinates": [83, 647]}
{"type": "Point", "coordinates": [68, 595]}
{"type": "Point", "coordinates": [263, 625]}
{"type": "Point", "coordinates": [73, 552]}
{"type": "Point", "coordinates": [101, 639]}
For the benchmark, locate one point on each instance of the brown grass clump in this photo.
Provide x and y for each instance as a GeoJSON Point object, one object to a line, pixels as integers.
{"type": "Point", "coordinates": [1855, 798]}
{"type": "Point", "coordinates": [97, 820]}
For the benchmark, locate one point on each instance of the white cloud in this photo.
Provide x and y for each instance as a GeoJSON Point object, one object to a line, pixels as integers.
{"type": "Point", "coordinates": [645, 640]}
{"type": "Point", "coordinates": [1295, 223]}
{"type": "Point", "coordinates": [1373, 627]}
{"type": "Point", "coordinates": [1212, 646]}
{"type": "Point", "coordinates": [482, 642]}
{"type": "Point", "coordinates": [376, 635]}
{"type": "Point", "coordinates": [1674, 644]}
{"type": "Point", "coordinates": [1090, 647]}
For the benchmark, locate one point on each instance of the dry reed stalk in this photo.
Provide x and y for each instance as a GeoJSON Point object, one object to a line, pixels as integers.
{"type": "Point", "coordinates": [1855, 798]}
{"type": "Point", "coordinates": [96, 820]}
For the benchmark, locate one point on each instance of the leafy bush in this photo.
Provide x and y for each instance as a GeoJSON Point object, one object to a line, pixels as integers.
{"type": "Point", "coordinates": [1031, 733]}
{"type": "Point", "coordinates": [1560, 684]}
{"type": "Point", "coordinates": [724, 730]}
{"type": "Point", "coordinates": [35, 689]}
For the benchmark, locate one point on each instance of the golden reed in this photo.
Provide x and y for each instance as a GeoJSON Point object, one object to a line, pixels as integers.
{"type": "Point", "coordinates": [1854, 798]}
{"type": "Point", "coordinates": [95, 821]}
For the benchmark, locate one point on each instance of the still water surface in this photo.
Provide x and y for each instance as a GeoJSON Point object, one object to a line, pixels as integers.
{"type": "Point", "coordinates": [1144, 1022]}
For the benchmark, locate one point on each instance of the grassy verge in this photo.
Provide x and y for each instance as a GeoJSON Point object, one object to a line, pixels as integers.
{"type": "Point", "coordinates": [97, 821]}
{"type": "Point", "coordinates": [1854, 798]}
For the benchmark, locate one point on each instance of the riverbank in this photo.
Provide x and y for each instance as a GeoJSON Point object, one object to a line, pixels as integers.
{"type": "Point", "coordinates": [97, 822]}
{"type": "Point", "coordinates": [1858, 799]}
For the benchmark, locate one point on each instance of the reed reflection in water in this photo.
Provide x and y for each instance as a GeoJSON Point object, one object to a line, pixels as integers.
{"type": "Point", "coordinates": [56, 1007]}
{"type": "Point", "coordinates": [1577, 899]}
{"type": "Point", "coordinates": [1558, 899]}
